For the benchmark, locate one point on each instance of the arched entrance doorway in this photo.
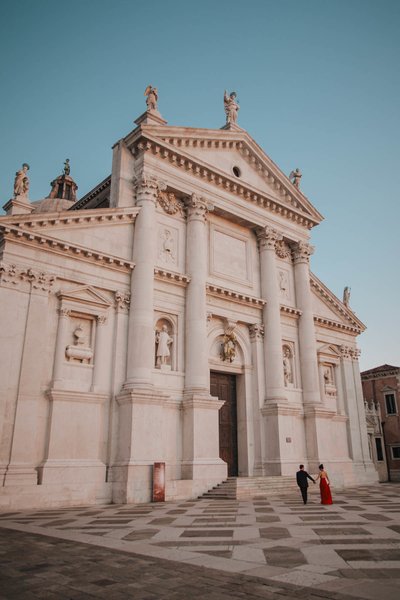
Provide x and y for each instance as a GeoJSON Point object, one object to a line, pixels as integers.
{"type": "Point", "coordinates": [223, 385]}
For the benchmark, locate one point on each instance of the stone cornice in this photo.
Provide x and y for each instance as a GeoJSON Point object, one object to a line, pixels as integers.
{"type": "Point", "coordinates": [381, 374]}
{"type": "Point", "coordinates": [334, 302]}
{"type": "Point", "coordinates": [180, 159]}
{"type": "Point", "coordinates": [103, 216]}
{"type": "Point", "coordinates": [92, 194]}
{"type": "Point", "coordinates": [71, 396]}
{"type": "Point", "coordinates": [13, 275]}
{"type": "Point", "coordinates": [64, 248]}
{"type": "Point", "coordinates": [331, 324]}
{"type": "Point", "coordinates": [234, 296]}
{"type": "Point", "coordinates": [171, 276]}
{"type": "Point", "coordinates": [289, 310]}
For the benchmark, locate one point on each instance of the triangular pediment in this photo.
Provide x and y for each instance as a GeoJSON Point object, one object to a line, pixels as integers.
{"type": "Point", "coordinates": [231, 154]}
{"type": "Point", "coordinates": [85, 294]}
{"type": "Point", "coordinates": [329, 310]}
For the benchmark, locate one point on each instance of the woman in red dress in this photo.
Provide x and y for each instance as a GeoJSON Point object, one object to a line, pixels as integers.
{"type": "Point", "coordinates": [324, 486]}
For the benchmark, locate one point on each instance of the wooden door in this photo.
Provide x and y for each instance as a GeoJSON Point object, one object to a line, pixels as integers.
{"type": "Point", "coordinates": [224, 386]}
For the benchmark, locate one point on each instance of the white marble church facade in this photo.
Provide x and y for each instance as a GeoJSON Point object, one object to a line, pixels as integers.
{"type": "Point", "coordinates": [196, 236]}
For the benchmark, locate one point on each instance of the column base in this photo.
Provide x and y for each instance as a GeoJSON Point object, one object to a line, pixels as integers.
{"type": "Point", "coordinates": [20, 475]}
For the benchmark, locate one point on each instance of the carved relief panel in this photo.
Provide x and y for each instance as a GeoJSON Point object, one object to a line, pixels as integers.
{"type": "Point", "coordinates": [168, 246]}
{"type": "Point", "coordinates": [288, 365]}
{"type": "Point", "coordinates": [80, 348]}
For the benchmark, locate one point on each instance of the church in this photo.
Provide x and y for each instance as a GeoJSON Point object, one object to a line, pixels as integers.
{"type": "Point", "coordinates": [170, 316]}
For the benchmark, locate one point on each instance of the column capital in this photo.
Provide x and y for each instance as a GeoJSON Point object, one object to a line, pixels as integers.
{"type": "Point", "coordinates": [345, 351]}
{"type": "Point", "coordinates": [256, 331]}
{"type": "Point", "coordinates": [64, 312]}
{"type": "Point", "coordinates": [147, 188]}
{"type": "Point", "coordinates": [122, 300]}
{"type": "Point", "coordinates": [197, 207]}
{"type": "Point", "coordinates": [101, 319]}
{"type": "Point", "coordinates": [267, 237]}
{"type": "Point", "coordinates": [301, 252]}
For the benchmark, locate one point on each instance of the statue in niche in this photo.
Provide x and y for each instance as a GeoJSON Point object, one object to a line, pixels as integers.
{"type": "Point", "coordinates": [328, 376]}
{"type": "Point", "coordinates": [80, 350]}
{"type": "Point", "coordinates": [163, 343]}
{"type": "Point", "coordinates": [346, 295]}
{"type": "Point", "coordinates": [229, 347]}
{"type": "Point", "coordinates": [283, 284]}
{"type": "Point", "coordinates": [21, 182]}
{"type": "Point", "coordinates": [295, 177]}
{"type": "Point", "coordinates": [231, 107]}
{"type": "Point", "coordinates": [152, 97]}
{"type": "Point", "coordinates": [67, 167]}
{"type": "Point", "coordinates": [168, 247]}
{"type": "Point", "coordinates": [287, 366]}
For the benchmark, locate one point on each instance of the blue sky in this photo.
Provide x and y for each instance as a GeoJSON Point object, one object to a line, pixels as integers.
{"type": "Point", "coordinates": [319, 87]}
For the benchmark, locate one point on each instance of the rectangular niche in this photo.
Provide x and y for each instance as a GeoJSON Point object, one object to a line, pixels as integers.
{"type": "Point", "coordinates": [230, 255]}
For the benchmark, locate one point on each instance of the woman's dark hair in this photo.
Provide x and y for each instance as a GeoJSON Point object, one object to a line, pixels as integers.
{"type": "Point", "coordinates": [321, 466]}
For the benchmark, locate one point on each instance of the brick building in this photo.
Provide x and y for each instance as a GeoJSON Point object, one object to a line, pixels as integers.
{"type": "Point", "coordinates": [381, 386]}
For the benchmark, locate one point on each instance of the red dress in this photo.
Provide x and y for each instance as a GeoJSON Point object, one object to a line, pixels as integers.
{"type": "Point", "coordinates": [324, 488]}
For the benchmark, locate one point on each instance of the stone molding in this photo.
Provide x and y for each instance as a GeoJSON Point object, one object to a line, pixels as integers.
{"type": "Point", "coordinates": [312, 411]}
{"type": "Point", "coordinates": [99, 216]}
{"type": "Point", "coordinates": [233, 296]}
{"type": "Point", "coordinates": [93, 193]}
{"type": "Point", "coordinates": [61, 247]}
{"type": "Point", "coordinates": [14, 275]}
{"type": "Point", "coordinates": [74, 396]}
{"type": "Point", "coordinates": [142, 396]}
{"type": "Point", "coordinates": [291, 208]}
{"type": "Point", "coordinates": [301, 252]}
{"type": "Point", "coordinates": [269, 410]}
{"type": "Point", "coordinates": [330, 324]}
{"type": "Point", "coordinates": [289, 310]}
{"type": "Point", "coordinates": [171, 276]}
{"type": "Point", "coordinates": [200, 401]}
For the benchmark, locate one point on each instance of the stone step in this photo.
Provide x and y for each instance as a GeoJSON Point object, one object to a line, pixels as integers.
{"type": "Point", "coordinates": [236, 488]}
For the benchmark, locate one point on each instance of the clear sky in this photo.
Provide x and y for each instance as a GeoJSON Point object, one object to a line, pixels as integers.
{"type": "Point", "coordinates": [318, 83]}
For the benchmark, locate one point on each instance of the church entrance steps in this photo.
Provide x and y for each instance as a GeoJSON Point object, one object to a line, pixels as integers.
{"type": "Point", "coordinates": [243, 488]}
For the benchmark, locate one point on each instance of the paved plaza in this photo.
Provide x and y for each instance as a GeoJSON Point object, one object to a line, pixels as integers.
{"type": "Point", "coordinates": [268, 547]}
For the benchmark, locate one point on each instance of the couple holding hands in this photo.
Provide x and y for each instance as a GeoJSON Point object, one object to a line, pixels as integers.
{"type": "Point", "coordinates": [324, 485]}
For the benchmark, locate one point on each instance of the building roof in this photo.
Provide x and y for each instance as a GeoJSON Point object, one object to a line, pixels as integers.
{"type": "Point", "coordinates": [382, 369]}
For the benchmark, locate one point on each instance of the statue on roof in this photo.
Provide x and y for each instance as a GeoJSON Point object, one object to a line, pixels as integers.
{"type": "Point", "coordinates": [231, 107]}
{"type": "Point", "coordinates": [346, 295]}
{"type": "Point", "coordinates": [295, 177]}
{"type": "Point", "coordinates": [67, 167]}
{"type": "Point", "coordinates": [21, 182]}
{"type": "Point", "coordinates": [152, 97]}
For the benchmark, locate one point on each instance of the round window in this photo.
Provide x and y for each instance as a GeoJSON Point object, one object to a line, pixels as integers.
{"type": "Point", "coordinates": [236, 171]}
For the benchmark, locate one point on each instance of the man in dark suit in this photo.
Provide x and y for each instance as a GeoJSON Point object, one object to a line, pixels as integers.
{"type": "Point", "coordinates": [301, 478]}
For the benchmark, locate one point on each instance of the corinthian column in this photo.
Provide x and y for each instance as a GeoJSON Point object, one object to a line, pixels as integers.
{"type": "Point", "coordinates": [140, 360]}
{"type": "Point", "coordinates": [267, 238]}
{"type": "Point", "coordinates": [308, 348]}
{"type": "Point", "coordinates": [196, 363]}
{"type": "Point", "coordinates": [200, 410]}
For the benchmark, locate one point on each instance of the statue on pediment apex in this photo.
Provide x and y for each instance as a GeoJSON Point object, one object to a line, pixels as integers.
{"type": "Point", "coordinates": [67, 167]}
{"type": "Point", "coordinates": [231, 107]}
{"type": "Point", "coordinates": [152, 97]}
{"type": "Point", "coordinates": [346, 295]}
{"type": "Point", "coordinates": [295, 177]}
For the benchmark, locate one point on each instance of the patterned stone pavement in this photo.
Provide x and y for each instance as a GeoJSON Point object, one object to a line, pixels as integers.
{"type": "Point", "coordinates": [271, 548]}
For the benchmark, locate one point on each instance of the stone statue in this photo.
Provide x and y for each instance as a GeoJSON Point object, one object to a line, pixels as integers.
{"type": "Point", "coordinates": [168, 247]}
{"type": "Point", "coordinates": [152, 97]}
{"type": "Point", "coordinates": [295, 177]}
{"type": "Point", "coordinates": [67, 167]}
{"type": "Point", "coordinates": [229, 347]}
{"type": "Point", "coordinates": [21, 182]}
{"type": "Point", "coordinates": [283, 284]}
{"type": "Point", "coordinates": [163, 341]}
{"type": "Point", "coordinates": [346, 295]}
{"type": "Point", "coordinates": [231, 107]}
{"type": "Point", "coordinates": [327, 376]}
{"type": "Point", "coordinates": [287, 367]}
